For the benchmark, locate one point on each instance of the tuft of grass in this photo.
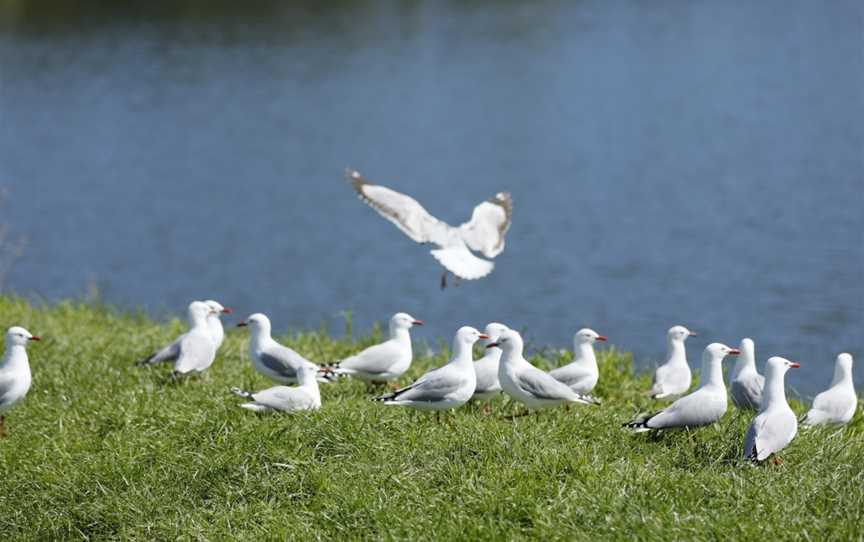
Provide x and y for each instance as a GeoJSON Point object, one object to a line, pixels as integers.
{"type": "Point", "coordinates": [102, 450]}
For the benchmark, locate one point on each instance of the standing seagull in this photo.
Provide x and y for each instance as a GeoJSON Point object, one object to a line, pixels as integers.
{"type": "Point", "coordinates": [446, 387]}
{"type": "Point", "coordinates": [484, 233]}
{"type": "Point", "coordinates": [15, 375]}
{"type": "Point", "coordinates": [581, 374]}
{"type": "Point", "coordinates": [775, 426]}
{"type": "Point", "coordinates": [306, 396]}
{"type": "Point", "coordinates": [836, 405]}
{"type": "Point", "coordinates": [273, 360]}
{"type": "Point", "coordinates": [527, 384]}
{"type": "Point", "coordinates": [195, 349]}
{"type": "Point", "coordinates": [385, 361]}
{"type": "Point", "coordinates": [673, 377]}
{"type": "Point", "coordinates": [704, 406]}
{"type": "Point", "coordinates": [745, 383]}
{"type": "Point", "coordinates": [214, 323]}
{"type": "Point", "coordinates": [486, 368]}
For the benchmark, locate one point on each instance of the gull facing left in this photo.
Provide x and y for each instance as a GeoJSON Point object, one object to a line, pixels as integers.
{"type": "Point", "coordinates": [15, 377]}
{"type": "Point", "coordinates": [704, 406]}
{"type": "Point", "coordinates": [745, 382]}
{"type": "Point", "coordinates": [447, 387]}
{"type": "Point", "coordinates": [484, 233]}
{"type": "Point", "coordinates": [273, 360]}
{"type": "Point", "coordinates": [775, 426]}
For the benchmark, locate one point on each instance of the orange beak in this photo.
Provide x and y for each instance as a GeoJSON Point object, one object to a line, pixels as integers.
{"type": "Point", "coordinates": [484, 336]}
{"type": "Point", "coordinates": [601, 337]}
{"type": "Point", "coordinates": [417, 322]}
{"type": "Point", "coordinates": [226, 310]}
{"type": "Point", "coordinates": [794, 365]}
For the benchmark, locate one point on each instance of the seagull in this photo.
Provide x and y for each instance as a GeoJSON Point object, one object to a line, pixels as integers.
{"type": "Point", "coordinates": [446, 387]}
{"type": "Point", "coordinates": [306, 396]}
{"type": "Point", "coordinates": [385, 361]}
{"type": "Point", "coordinates": [775, 426]}
{"type": "Point", "coordinates": [673, 377]}
{"type": "Point", "coordinates": [486, 368]}
{"type": "Point", "coordinates": [745, 383]}
{"type": "Point", "coordinates": [527, 384]}
{"type": "Point", "coordinates": [195, 350]}
{"type": "Point", "coordinates": [15, 375]}
{"type": "Point", "coordinates": [484, 233]}
{"type": "Point", "coordinates": [273, 360]}
{"type": "Point", "coordinates": [214, 323]}
{"type": "Point", "coordinates": [581, 374]}
{"type": "Point", "coordinates": [704, 406]}
{"type": "Point", "coordinates": [837, 404]}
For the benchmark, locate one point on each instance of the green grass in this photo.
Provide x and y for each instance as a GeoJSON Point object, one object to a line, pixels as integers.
{"type": "Point", "coordinates": [103, 450]}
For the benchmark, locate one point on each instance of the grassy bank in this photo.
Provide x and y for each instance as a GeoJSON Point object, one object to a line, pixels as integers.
{"type": "Point", "coordinates": [103, 450]}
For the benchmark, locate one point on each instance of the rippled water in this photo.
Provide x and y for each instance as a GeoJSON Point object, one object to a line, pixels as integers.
{"type": "Point", "coordinates": [698, 163]}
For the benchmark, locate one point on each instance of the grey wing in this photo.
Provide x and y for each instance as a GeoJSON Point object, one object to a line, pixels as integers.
{"type": "Point", "coordinates": [282, 361]}
{"type": "Point", "coordinates": [488, 225]}
{"type": "Point", "coordinates": [433, 386]}
{"type": "Point", "coordinates": [543, 386]}
{"type": "Point", "coordinates": [568, 374]}
{"type": "Point", "coordinates": [166, 353]}
{"type": "Point", "coordinates": [749, 391]}
{"type": "Point", "coordinates": [403, 211]}
{"type": "Point", "coordinates": [375, 359]}
{"type": "Point", "coordinates": [750, 451]}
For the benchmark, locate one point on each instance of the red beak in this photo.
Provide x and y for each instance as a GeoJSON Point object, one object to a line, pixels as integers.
{"type": "Point", "coordinates": [417, 322]}
{"type": "Point", "coordinates": [492, 345]}
{"type": "Point", "coordinates": [734, 351]}
{"type": "Point", "coordinates": [692, 333]}
{"type": "Point", "coordinates": [226, 310]}
{"type": "Point", "coordinates": [794, 365]}
{"type": "Point", "coordinates": [484, 336]}
{"type": "Point", "coordinates": [35, 338]}
{"type": "Point", "coordinates": [601, 337]}
{"type": "Point", "coordinates": [242, 324]}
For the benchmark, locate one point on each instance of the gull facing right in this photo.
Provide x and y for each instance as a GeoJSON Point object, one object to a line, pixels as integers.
{"type": "Point", "coordinates": [306, 396]}
{"type": "Point", "coordinates": [581, 374]}
{"type": "Point", "coordinates": [837, 404]}
{"type": "Point", "coordinates": [704, 406]}
{"type": "Point", "coordinates": [486, 368]}
{"type": "Point", "coordinates": [193, 351]}
{"type": "Point", "coordinates": [775, 426]}
{"type": "Point", "coordinates": [527, 384]}
{"type": "Point", "coordinates": [214, 323]}
{"type": "Point", "coordinates": [745, 382]}
{"type": "Point", "coordinates": [15, 377]}
{"type": "Point", "coordinates": [447, 387]}
{"type": "Point", "coordinates": [673, 377]}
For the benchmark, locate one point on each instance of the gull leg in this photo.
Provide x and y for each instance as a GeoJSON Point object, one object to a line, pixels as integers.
{"type": "Point", "coordinates": [487, 409]}
{"type": "Point", "coordinates": [437, 416]}
{"type": "Point", "coordinates": [444, 280]}
{"type": "Point", "coordinates": [2, 426]}
{"type": "Point", "coordinates": [777, 461]}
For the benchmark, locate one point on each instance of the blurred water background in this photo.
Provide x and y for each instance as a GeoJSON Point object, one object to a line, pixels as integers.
{"type": "Point", "coordinates": [671, 162]}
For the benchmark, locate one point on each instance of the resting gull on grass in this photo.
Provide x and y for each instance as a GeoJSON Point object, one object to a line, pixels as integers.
{"type": "Point", "coordinates": [306, 396]}
{"type": "Point", "coordinates": [775, 426]}
{"type": "Point", "coordinates": [193, 351]}
{"type": "Point", "coordinates": [275, 361]}
{"type": "Point", "coordinates": [673, 377]}
{"type": "Point", "coordinates": [581, 374]}
{"type": "Point", "coordinates": [15, 375]}
{"type": "Point", "coordinates": [836, 405]}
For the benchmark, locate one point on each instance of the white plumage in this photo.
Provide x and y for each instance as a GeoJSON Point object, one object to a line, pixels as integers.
{"type": "Point", "coordinates": [214, 322]}
{"type": "Point", "coordinates": [486, 368]}
{"type": "Point", "coordinates": [275, 361]}
{"type": "Point", "coordinates": [385, 361]}
{"type": "Point", "coordinates": [673, 377]}
{"type": "Point", "coordinates": [15, 377]}
{"type": "Point", "coordinates": [837, 404]}
{"type": "Point", "coordinates": [775, 426]}
{"type": "Point", "coordinates": [483, 233]}
{"type": "Point", "coordinates": [193, 351]}
{"type": "Point", "coordinates": [582, 374]}
{"type": "Point", "coordinates": [306, 396]}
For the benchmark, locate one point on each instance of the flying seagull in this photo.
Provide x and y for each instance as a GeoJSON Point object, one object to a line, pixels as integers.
{"type": "Point", "coordinates": [484, 233]}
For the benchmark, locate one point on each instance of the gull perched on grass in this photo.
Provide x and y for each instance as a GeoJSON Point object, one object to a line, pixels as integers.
{"type": "Point", "coordinates": [15, 375]}
{"type": "Point", "coordinates": [306, 396]}
{"type": "Point", "coordinates": [446, 387]}
{"type": "Point", "coordinates": [704, 406]}
{"type": "Point", "coordinates": [214, 323]}
{"type": "Point", "coordinates": [193, 351]}
{"type": "Point", "coordinates": [673, 377]}
{"type": "Point", "coordinates": [275, 361]}
{"type": "Point", "coordinates": [483, 233]}
{"type": "Point", "coordinates": [581, 374]}
{"type": "Point", "coordinates": [486, 368]}
{"type": "Point", "coordinates": [382, 362]}
{"type": "Point", "coordinates": [745, 382]}
{"type": "Point", "coordinates": [775, 426]}
{"type": "Point", "coordinates": [527, 384]}
{"type": "Point", "coordinates": [836, 405]}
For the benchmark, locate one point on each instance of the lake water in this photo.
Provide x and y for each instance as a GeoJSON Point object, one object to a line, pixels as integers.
{"type": "Point", "coordinates": [689, 162]}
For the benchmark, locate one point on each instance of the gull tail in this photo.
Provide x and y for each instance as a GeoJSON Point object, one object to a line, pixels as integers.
{"type": "Point", "coordinates": [330, 372]}
{"type": "Point", "coordinates": [588, 399]}
{"type": "Point", "coordinates": [146, 361]}
{"type": "Point", "coordinates": [387, 397]}
{"type": "Point", "coordinates": [241, 393]}
{"type": "Point", "coordinates": [639, 425]}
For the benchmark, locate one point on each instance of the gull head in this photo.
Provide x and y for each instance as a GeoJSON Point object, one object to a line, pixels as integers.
{"type": "Point", "coordinates": [216, 308]}
{"type": "Point", "coordinates": [844, 361]}
{"type": "Point", "coordinates": [509, 341]}
{"type": "Point", "coordinates": [679, 333]}
{"type": "Point", "coordinates": [198, 310]}
{"type": "Point", "coordinates": [402, 320]}
{"type": "Point", "coordinates": [718, 351]}
{"type": "Point", "coordinates": [256, 322]}
{"type": "Point", "coordinates": [780, 365]}
{"type": "Point", "coordinates": [19, 336]}
{"type": "Point", "coordinates": [494, 331]}
{"type": "Point", "coordinates": [588, 336]}
{"type": "Point", "coordinates": [467, 336]}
